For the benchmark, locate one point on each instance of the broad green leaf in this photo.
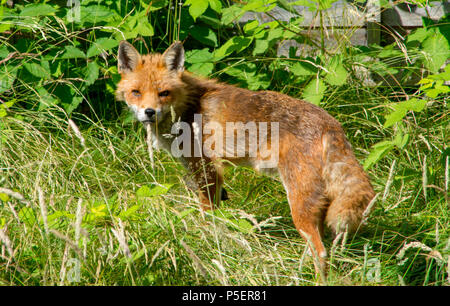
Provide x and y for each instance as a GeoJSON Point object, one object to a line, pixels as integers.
{"type": "Point", "coordinates": [390, 52]}
{"type": "Point", "coordinates": [394, 117]}
{"type": "Point", "coordinates": [4, 197]}
{"type": "Point", "coordinates": [259, 5]}
{"type": "Point", "coordinates": [186, 212]}
{"type": "Point", "coordinates": [70, 107]}
{"type": "Point", "coordinates": [251, 26]}
{"type": "Point", "coordinates": [235, 44]}
{"type": "Point", "coordinates": [438, 51]}
{"type": "Point", "coordinates": [379, 150]}
{"type": "Point", "coordinates": [261, 46]}
{"type": "Point", "coordinates": [129, 212]}
{"type": "Point", "coordinates": [100, 45]}
{"type": "Point", "coordinates": [400, 110]}
{"type": "Point", "coordinates": [231, 14]}
{"type": "Point", "coordinates": [216, 5]}
{"type": "Point", "coordinates": [46, 99]}
{"type": "Point", "coordinates": [72, 52]}
{"type": "Point", "coordinates": [3, 51]}
{"type": "Point", "coordinates": [418, 35]}
{"type": "Point", "coordinates": [34, 10]}
{"type": "Point", "coordinates": [444, 76]}
{"type": "Point", "coordinates": [96, 13]}
{"type": "Point", "coordinates": [155, 190]}
{"type": "Point", "coordinates": [303, 68]}
{"type": "Point", "coordinates": [197, 7]}
{"type": "Point", "coordinates": [91, 73]}
{"type": "Point", "coordinates": [155, 5]}
{"type": "Point", "coordinates": [202, 69]}
{"type": "Point", "coordinates": [244, 226]}
{"type": "Point", "coordinates": [199, 56]}
{"type": "Point", "coordinates": [7, 76]}
{"type": "Point", "coordinates": [314, 91]}
{"type": "Point", "coordinates": [144, 27]}
{"type": "Point", "coordinates": [400, 139]}
{"type": "Point", "coordinates": [41, 70]}
{"type": "Point", "coordinates": [27, 216]}
{"type": "Point", "coordinates": [259, 81]}
{"type": "Point", "coordinates": [204, 35]}
{"type": "Point", "coordinates": [337, 73]}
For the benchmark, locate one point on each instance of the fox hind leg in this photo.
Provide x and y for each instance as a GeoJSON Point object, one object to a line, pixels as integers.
{"type": "Point", "coordinates": [305, 191]}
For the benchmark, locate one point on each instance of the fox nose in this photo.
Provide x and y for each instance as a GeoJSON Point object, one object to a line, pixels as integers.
{"type": "Point", "coordinates": [150, 112]}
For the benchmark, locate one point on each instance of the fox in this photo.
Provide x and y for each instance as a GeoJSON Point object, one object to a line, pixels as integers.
{"type": "Point", "coordinates": [323, 180]}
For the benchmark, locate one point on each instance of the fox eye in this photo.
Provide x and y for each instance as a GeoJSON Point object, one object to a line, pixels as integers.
{"type": "Point", "coordinates": [136, 93]}
{"type": "Point", "coordinates": [164, 93]}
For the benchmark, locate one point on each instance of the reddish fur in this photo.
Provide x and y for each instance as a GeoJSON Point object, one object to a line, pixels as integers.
{"type": "Point", "coordinates": [323, 179]}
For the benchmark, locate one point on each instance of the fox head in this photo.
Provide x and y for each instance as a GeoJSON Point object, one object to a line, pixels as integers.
{"type": "Point", "coordinates": [151, 84]}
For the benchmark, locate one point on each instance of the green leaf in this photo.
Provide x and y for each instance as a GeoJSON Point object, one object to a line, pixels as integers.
{"type": "Point", "coordinates": [144, 27]}
{"type": "Point", "coordinates": [197, 7]}
{"type": "Point", "coordinates": [46, 99]}
{"type": "Point", "coordinates": [199, 56]}
{"type": "Point", "coordinates": [8, 74]}
{"type": "Point", "coordinates": [400, 139]}
{"type": "Point", "coordinates": [155, 190]}
{"type": "Point", "coordinates": [3, 51]}
{"type": "Point", "coordinates": [379, 150]}
{"type": "Point", "coordinates": [231, 14]}
{"type": "Point", "coordinates": [91, 73]}
{"type": "Point", "coordinates": [261, 46]}
{"type": "Point", "coordinates": [235, 44]}
{"type": "Point", "coordinates": [216, 5]}
{"type": "Point", "coordinates": [72, 52]}
{"type": "Point", "coordinates": [96, 13]}
{"type": "Point", "coordinates": [401, 109]}
{"type": "Point", "coordinates": [186, 212]}
{"type": "Point", "coordinates": [337, 75]}
{"type": "Point", "coordinates": [314, 91]}
{"type": "Point", "coordinates": [303, 68]}
{"type": "Point", "coordinates": [101, 45]}
{"type": "Point", "coordinates": [75, 102]}
{"type": "Point", "coordinates": [34, 10]}
{"type": "Point", "coordinates": [394, 117]}
{"type": "Point", "coordinates": [438, 51]}
{"type": "Point", "coordinates": [27, 216]}
{"type": "Point", "coordinates": [418, 35]}
{"type": "Point", "coordinates": [204, 35]}
{"type": "Point", "coordinates": [4, 197]}
{"type": "Point", "coordinates": [41, 70]}
{"type": "Point", "coordinates": [250, 27]}
{"type": "Point", "coordinates": [130, 212]}
{"type": "Point", "coordinates": [259, 5]}
{"type": "Point", "coordinates": [203, 69]}
{"type": "Point", "coordinates": [155, 5]}
{"type": "Point", "coordinates": [244, 226]}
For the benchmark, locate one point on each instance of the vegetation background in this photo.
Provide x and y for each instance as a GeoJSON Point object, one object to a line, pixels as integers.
{"type": "Point", "coordinates": [80, 205]}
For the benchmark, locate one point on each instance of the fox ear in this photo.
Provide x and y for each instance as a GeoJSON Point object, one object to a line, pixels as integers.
{"type": "Point", "coordinates": [174, 57]}
{"type": "Point", "coordinates": [128, 57]}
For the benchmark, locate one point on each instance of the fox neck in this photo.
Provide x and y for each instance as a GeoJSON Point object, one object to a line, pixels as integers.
{"type": "Point", "coordinates": [184, 109]}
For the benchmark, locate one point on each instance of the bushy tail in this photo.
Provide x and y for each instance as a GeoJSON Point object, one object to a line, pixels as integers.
{"type": "Point", "coordinates": [347, 185]}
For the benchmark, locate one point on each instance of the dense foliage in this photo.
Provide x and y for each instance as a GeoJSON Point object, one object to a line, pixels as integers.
{"type": "Point", "coordinates": [58, 62]}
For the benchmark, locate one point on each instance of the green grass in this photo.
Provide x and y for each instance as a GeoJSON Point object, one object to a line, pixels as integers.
{"type": "Point", "coordinates": [100, 218]}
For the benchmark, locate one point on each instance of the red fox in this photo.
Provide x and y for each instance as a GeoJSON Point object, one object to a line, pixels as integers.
{"type": "Point", "coordinates": [313, 158]}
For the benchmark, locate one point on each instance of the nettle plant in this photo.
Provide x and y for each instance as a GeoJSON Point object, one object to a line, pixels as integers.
{"type": "Point", "coordinates": [61, 53]}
